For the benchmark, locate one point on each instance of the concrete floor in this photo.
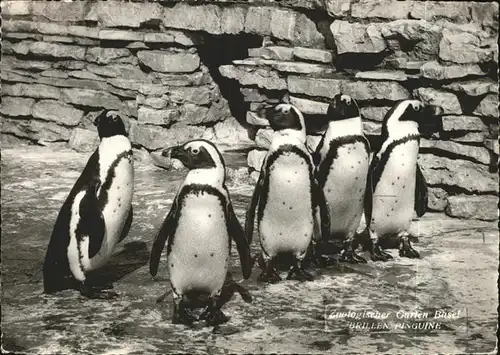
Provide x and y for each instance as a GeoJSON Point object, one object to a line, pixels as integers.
{"type": "Point", "coordinates": [457, 272]}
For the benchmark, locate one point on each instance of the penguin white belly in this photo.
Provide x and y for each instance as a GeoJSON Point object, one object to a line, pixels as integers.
{"type": "Point", "coordinates": [345, 188]}
{"type": "Point", "coordinates": [116, 210]}
{"type": "Point", "coordinates": [74, 251]}
{"type": "Point", "coordinates": [394, 195]}
{"type": "Point", "coordinates": [287, 220]}
{"type": "Point", "coordinates": [199, 257]}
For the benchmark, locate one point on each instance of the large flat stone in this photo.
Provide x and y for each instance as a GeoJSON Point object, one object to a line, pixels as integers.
{"type": "Point", "coordinates": [120, 35]}
{"type": "Point", "coordinates": [89, 97]}
{"type": "Point", "coordinates": [488, 106]}
{"type": "Point", "coordinates": [16, 8]}
{"type": "Point", "coordinates": [473, 87]}
{"type": "Point", "coordinates": [201, 95]}
{"type": "Point", "coordinates": [357, 38]}
{"type": "Point", "coordinates": [309, 106]}
{"type": "Point", "coordinates": [473, 207]}
{"type": "Point", "coordinates": [435, 70]}
{"type": "Point", "coordinates": [255, 120]}
{"type": "Point", "coordinates": [258, 20]}
{"type": "Point", "coordinates": [374, 113]}
{"type": "Point", "coordinates": [55, 111]}
{"type": "Point", "coordinates": [463, 123]}
{"type": "Point", "coordinates": [195, 18]}
{"type": "Point", "coordinates": [395, 75]}
{"type": "Point", "coordinates": [156, 137]}
{"type": "Point", "coordinates": [447, 101]}
{"type": "Point", "coordinates": [465, 174]}
{"type": "Point", "coordinates": [337, 8]}
{"type": "Point", "coordinates": [264, 137]}
{"type": "Point", "coordinates": [57, 50]}
{"type": "Point", "coordinates": [16, 106]}
{"type": "Point", "coordinates": [106, 55]}
{"type": "Point", "coordinates": [438, 198]}
{"type": "Point", "coordinates": [38, 91]}
{"type": "Point", "coordinates": [83, 140]}
{"type": "Point", "coordinates": [372, 128]}
{"type": "Point", "coordinates": [255, 158]}
{"type": "Point", "coordinates": [169, 62]}
{"type": "Point", "coordinates": [263, 78]}
{"type": "Point", "coordinates": [124, 14]}
{"type": "Point", "coordinates": [313, 55]}
{"type": "Point", "coordinates": [463, 47]}
{"type": "Point", "coordinates": [60, 11]}
{"type": "Point", "coordinates": [146, 115]}
{"type": "Point", "coordinates": [272, 52]}
{"type": "Point", "coordinates": [35, 130]}
{"type": "Point", "coordinates": [232, 133]}
{"type": "Point", "coordinates": [287, 67]}
{"type": "Point", "coordinates": [191, 114]}
{"type": "Point", "coordinates": [359, 90]}
{"type": "Point", "coordinates": [479, 154]}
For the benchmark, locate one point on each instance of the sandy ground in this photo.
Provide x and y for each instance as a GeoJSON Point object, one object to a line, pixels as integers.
{"type": "Point", "coordinates": [457, 272]}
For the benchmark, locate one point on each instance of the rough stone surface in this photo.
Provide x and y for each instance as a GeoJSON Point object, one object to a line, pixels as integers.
{"type": "Point", "coordinates": [264, 137]}
{"type": "Point", "coordinates": [255, 158]}
{"type": "Point", "coordinates": [395, 75]}
{"type": "Point", "coordinates": [120, 35]}
{"type": "Point", "coordinates": [447, 101]}
{"type": "Point", "coordinates": [477, 207]}
{"type": "Point", "coordinates": [32, 90]}
{"type": "Point", "coordinates": [105, 55]}
{"type": "Point", "coordinates": [360, 90]}
{"type": "Point", "coordinates": [90, 97]}
{"type": "Point", "coordinates": [169, 62]}
{"type": "Point", "coordinates": [488, 107]}
{"type": "Point", "coordinates": [83, 140]}
{"type": "Point", "coordinates": [148, 115]}
{"type": "Point", "coordinates": [309, 106]}
{"type": "Point", "coordinates": [463, 48]}
{"type": "Point", "coordinates": [16, 8]}
{"type": "Point", "coordinates": [477, 153]}
{"type": "Point", "coordinates": [372, 128]}
{"type": "Point", "coordinates": [52, 110]}
{"type": "Point", "coordinates": [463, 123]}
{"type": "Point", "coordinates": [313, 55]}
{"type": "Point", "coordinates": [16, 106]}
{"type": "Point", "coordinates": [438, 198]}
{"type": "Point", "coordinates": [288, 66]}
{"type": "Point", "coordinates": [263, 78]}
{"type": "Point", "coordinates": [272, 52]}
{"type": "Point", "coordinates": [450, 172]}
{"type": "Point", "coordinates": [434, 70]}
{"type": "Point", "coordinates": [374, 113]}
{"type": "Point", "coordinates": [57, 50]}
{"type": "Point", "coordinates": [69, 11]}
{"type": "Point", "coordinates": [357, 38]}
{"type": "Point", "coordinates": [337, 8]}
{"type": "Point", "coordinates": [231, 132]}
{"type": "Point", "coordinates": [195, 18]}
{"type": "Point", "coordinates": [473, 87]}
{"type": "Point", "coordinates": [253, 119]}
{"type": "Point", "coordinates": [154, 137]}
{"type": "Point", "coordinates": [129, 14]}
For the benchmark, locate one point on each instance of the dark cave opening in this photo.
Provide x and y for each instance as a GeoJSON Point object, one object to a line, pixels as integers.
{"type": "Point", "coordinates": [218, 50]}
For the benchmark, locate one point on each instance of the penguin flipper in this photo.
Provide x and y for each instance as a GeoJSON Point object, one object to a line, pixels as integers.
{"type": "Point", "coordinates": [91, 222]}
{"type": "Point", "coordinates": [421, 193]}
{"type": "Point", "coordinates": [316, 156]}
{"type": "Point", "coordinates": [242, 245]}
{"type": "Point", "coordinates": [250, 215]}
{"type": "Point", "coordinates": [320, 201]}
{"type": "Point", "coordinates": [370, 187]}
{"type": "Point", "coordinates": [165, 232]}
{"type": "Point", "coordinates": [128, 224]}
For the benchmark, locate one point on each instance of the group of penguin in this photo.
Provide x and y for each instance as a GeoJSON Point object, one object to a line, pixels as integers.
{"type": "Point", "coordinates": [303, 200]}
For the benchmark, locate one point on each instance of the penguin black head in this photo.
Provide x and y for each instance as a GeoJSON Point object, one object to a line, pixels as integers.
{"type": "Point", "coordinates": [407, 116]}
{"type": "Point", "coordinates": [196, 154]}
{"type": "Point", "coordinates": [109, 124]}
{"type": "Point", "coordinates": [285, 116]}
{"type": "Point", "coordinates": [342, 107]}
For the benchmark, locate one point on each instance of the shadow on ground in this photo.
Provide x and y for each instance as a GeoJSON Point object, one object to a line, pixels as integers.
{"type": "Point", "coordinates": [457, 271]}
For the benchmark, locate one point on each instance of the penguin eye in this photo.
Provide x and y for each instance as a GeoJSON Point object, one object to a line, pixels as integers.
{"type": "Point", "coordinates": [195, 151]}
{"type": "Point", "coordinates": [417, 107]}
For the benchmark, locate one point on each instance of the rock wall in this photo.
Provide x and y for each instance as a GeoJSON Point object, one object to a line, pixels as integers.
{"type": "Point", "coordinates": [180, 70]}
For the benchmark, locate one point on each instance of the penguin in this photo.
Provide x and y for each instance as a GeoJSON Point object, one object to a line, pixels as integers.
{"type": "Point", "coordinates": [395, 184]}
{"type": "Point", "coordinates": [198, 231]}
{"type": "Point", "coordinates": [342, 159]}
{"type": "Point", "coordinates": [96, 215]}
{"type": "Point", "coordinates": [286, 196]}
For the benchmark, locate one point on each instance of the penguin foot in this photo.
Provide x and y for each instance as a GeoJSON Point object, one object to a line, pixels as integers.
{"type": "Point", "coordinates": [182, 316]}
{"type": "Point", "coordinates": [299, 274]}
{"type": "Point", "coordinates": [349, 256]}
{"type": "Point", "coordinates": [378, 254]}
{"type": "Point", "coordinates": [96, 292]}
{"type": "Point", "coordinates": [406, 250]}
{"type": "Point", "coordinates": [324, 261]}
{"type": "Point", "coordinates": [269, 277]}
{"type": "Point", "coordinates": [214, 317]}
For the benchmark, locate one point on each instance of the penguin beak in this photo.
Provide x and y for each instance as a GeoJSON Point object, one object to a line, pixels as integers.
{"type": "Point", "coordinates": [177, 152]}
